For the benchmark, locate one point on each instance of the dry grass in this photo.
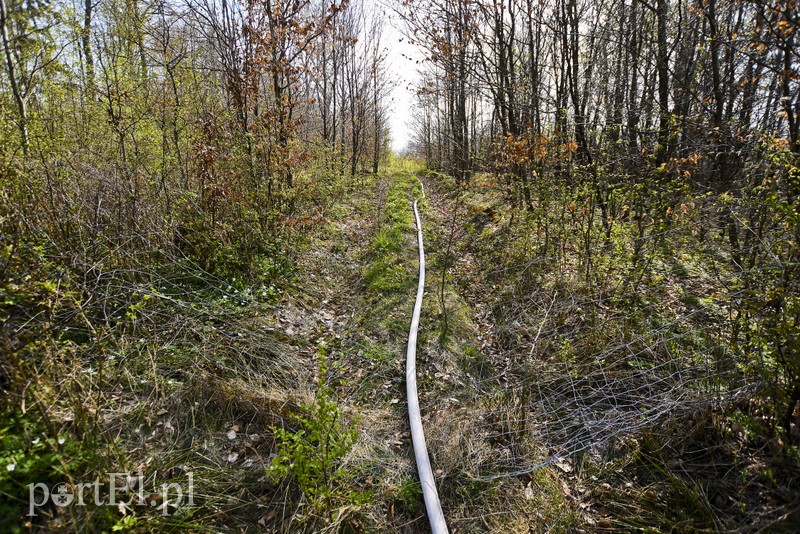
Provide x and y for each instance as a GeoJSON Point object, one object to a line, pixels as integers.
{"type": "Point", "coordinates": [581, 368]}
{"type": "Point", "coordinates": [550, 403]}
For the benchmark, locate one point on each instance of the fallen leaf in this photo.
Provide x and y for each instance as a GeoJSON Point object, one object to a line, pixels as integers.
{"type": "Point", "coordinates": [564, 465]}
{"type": "Point", "coordinates": [266, 518]}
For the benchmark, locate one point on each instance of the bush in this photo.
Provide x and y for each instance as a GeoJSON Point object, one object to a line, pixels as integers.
{"type": "Point", "coordinates": [311, 455]}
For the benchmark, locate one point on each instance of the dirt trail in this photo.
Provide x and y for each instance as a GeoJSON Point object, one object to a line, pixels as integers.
{"type": "Point", "coordinates": [355, 293]}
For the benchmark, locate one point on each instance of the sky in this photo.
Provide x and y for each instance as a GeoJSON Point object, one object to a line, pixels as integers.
{"type": "Point", "coordinates": [403, 73]}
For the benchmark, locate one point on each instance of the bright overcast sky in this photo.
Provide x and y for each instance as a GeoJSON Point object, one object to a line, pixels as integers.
{"type": "Point", "coordinates": [403, 73]}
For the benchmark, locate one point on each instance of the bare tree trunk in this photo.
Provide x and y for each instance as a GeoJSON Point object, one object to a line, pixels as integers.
{"type": "Point", "coordinates": [662, 66]}
{"type": "Point", "coordinates": [86, 44]}
{"type": "Point", "coordinates": [19, 97]}
{"type": "Point", "coordinates": [633, 109]}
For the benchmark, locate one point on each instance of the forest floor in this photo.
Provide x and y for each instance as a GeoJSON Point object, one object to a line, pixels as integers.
{"type": "Point", "coordinates": [354, 295]}
{"type": "Point", "coordinates": [282, 408]}
{"type": "Point", "coordinates": [287, 404]}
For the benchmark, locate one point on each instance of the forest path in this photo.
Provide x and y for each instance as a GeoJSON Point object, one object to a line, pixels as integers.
{"type": "Point", "coordinates": [354, 295]}
{"type": "Point", "coordinates": [433, 505]}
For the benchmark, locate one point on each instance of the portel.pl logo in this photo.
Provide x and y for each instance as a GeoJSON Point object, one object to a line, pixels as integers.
{"type": "Point", "coordinates": [123, 489]}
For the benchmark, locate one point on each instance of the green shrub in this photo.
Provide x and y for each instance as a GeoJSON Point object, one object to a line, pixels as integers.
{"type": "Point", "coordinates": [29, 455]}
{"type": "Point", "coordinates": [311, 455]}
